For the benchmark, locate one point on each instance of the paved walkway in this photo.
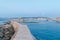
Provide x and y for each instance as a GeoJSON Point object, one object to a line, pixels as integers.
{"type": "Point", "coordinates": [21, 32]}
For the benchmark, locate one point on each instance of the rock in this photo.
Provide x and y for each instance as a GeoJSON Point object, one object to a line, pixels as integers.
{"type": "Point", "coordinates": [1, 32]}
{"type": "Point", "coordinates": [6, 31]}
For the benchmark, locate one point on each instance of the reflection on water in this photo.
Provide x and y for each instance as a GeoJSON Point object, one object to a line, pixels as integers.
{"type": "Point", "coordinates": [45, 30]}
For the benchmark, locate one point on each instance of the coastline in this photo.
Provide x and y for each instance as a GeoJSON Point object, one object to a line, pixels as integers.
{"type": "Point", "coordinates": [22, 26]}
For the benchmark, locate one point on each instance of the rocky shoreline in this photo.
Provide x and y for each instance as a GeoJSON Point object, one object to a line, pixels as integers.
{"type": "Point", "coordinates": [14, 31]}
{"type": "Point", "coordinates": [6, 31]}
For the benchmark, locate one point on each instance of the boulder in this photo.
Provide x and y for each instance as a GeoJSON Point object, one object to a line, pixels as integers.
{"type": "Point", "coordinates": [6, 31]}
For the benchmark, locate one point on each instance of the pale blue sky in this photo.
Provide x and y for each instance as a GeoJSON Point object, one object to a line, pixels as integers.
{"type": "Point", "coordinates": [29, 8]}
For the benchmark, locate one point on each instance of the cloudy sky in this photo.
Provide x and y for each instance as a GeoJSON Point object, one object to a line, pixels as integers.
{"type": "Point", "coordinates": [29, 8]}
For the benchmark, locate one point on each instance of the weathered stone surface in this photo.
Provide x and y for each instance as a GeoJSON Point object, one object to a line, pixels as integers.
{"type": "Point", "coordinates": [22, 32]}
{"type": "Point", "coordinates": [1, 32]}
{"type": "Point", "coordinates": [6, 31]}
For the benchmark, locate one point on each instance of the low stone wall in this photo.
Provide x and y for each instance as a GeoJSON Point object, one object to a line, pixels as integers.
{"type": "Point", "coordinates": [21, 32]}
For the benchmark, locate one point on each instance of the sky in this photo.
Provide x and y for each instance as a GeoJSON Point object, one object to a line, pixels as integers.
{"type": "Point", "coordinates": [29, 8]}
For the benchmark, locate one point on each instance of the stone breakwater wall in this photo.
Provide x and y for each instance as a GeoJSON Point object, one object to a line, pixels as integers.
{"type": "Point", "coordinates": [22, 32]}
{"type": "Point", "coordinates": [15, 31]}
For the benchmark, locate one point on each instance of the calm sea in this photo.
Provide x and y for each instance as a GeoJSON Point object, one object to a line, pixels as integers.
{"type": "Point", "coordinates": [44, 30]}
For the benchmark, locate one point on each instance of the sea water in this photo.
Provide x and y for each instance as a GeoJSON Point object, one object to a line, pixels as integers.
{"type": "Point", "coordinates": [45, 30]}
